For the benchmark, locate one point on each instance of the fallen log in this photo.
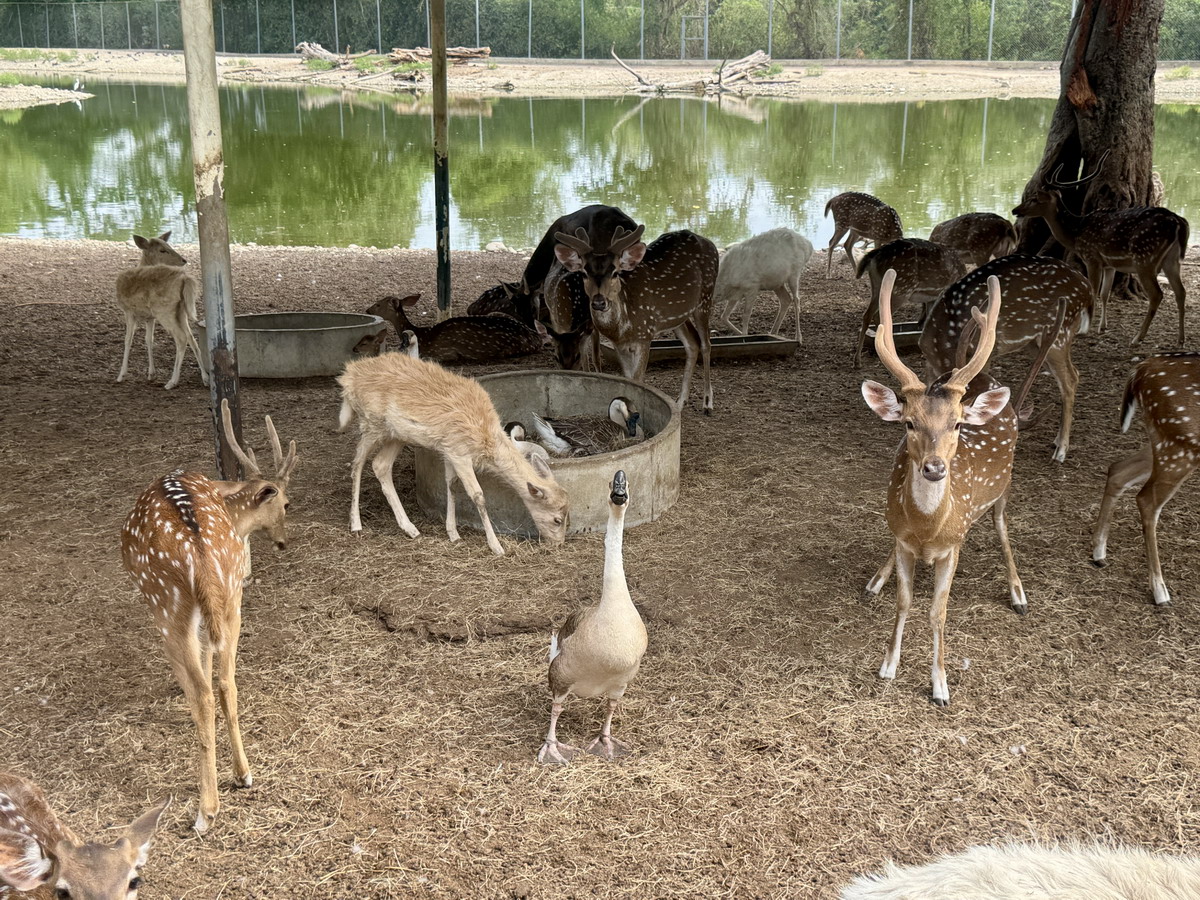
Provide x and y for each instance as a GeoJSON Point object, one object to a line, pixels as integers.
{"type": "Point", "coordinates": [424, 54]}
{"type": "Point", "coordinates": [726, 75]}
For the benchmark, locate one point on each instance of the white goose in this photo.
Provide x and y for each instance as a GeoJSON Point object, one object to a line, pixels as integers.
{"type": "Point", "coordinates": [598, 650]}
{"type": "Point", "coordinates": [589, 435]}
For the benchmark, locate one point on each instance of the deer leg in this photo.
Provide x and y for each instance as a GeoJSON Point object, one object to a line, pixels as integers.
{"type": "Point", "coordinates": [150, 350]}
{"type": "Point", "coordinates": [382, 465]}
{"type": "Point", "coordinates": [687, 336]}
{"type": "Point", "coordinates": [870, 317]}
{"type": "Point", "coordinates": [1149, 278]}
{"type": "Point", "coordinates": [227, 690]}
{"type": "Point", "coordinates": [365, 447]}
{"type": "Point", "coordinates": [1122, 475]}
{"type": "Point", "coordinates": [466, 474]}
{"type": "Point", "coordinates": [130, 331]}
{"type": "Point", "coordinates": [185, 326]}
{"type": "Point", "coordinates": [785, 305]}
{"type": "Point", "coordinates": [851, 239]}
{"type": "Point", "coordinates": [838, 231]}
{"type": "Point", "coordinates": [943, 570]}
{"type": "Point", "coordinates": [1164, 481]}
{"type": "Point", "coordinates": [1019, 602]}
{"type": "Point", "coordinates": [451, 511]}
{"type": "Point", "coordinates": [794, 290]}
{"type": "Point", "coordinates": [875, 585]}
{"type": "Point", "coordinates": [906, 562]}
{"type": "Point", "coordinates": [1067, 375]}
{"type": "Point", "coordinates": [605, 745]}
{"type": "Point", "coordinates": [553, 751]}
{"type": "Point", "coordinates": [1170, 268]}
{"type": "Point", "coordinates": [1102, 287]}
{"type": "Point", "coordinates": [183, 651]}
{"type": "Point", "coordinates": [172, 328]}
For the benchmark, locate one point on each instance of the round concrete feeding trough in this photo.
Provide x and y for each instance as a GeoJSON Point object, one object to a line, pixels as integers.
{"type": "Point", "coordinates": [296, 344]}
{"type": "Point", "coordinates": [652, 465]}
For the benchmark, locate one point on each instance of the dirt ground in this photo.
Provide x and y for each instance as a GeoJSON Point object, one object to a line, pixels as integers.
{"type": "Point", "coordinates": [393, 691]}
{"type": "Point", "coordinates": [839, 81]}
{"type": "Point", "coordinates": [22, 96]}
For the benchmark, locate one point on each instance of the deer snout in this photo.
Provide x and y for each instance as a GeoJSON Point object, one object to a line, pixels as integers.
{"type": "Point", "coordinates": [934, 469]}
{"type": "Point", "coordinates": [600, 304]}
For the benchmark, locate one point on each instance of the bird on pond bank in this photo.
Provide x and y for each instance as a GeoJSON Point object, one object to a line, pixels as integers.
{"type": "Point", "coordinates": [590, 435]}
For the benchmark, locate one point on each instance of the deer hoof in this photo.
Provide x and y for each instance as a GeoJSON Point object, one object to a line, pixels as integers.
{"type": "Point", "coordinates": [939, 701]}
{"type": "Point", "coordinates": [1020, 609]}
{"type": "Point", "coordinates": [245, 781]}
{"type": "Point", "coordinates": [1099, 563]}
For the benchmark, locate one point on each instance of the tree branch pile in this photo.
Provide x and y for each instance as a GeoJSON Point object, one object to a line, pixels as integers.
{"type": "Point", "coordinates": [456, 55]}
{"type": "Point", "coordinates": [312, 50]}
{"type": "Point", "coordinates": [726, 77]}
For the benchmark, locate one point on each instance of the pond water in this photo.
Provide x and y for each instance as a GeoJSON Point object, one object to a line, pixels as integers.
{"type": "Point", "coordinates": [318, 167]}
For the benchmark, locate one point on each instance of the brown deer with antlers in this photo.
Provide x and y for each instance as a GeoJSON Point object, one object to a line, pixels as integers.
{"type": "Point", "coordinates": [184, 543]}
{"type": "Point", "coordinates": [860, 217]}
{"type": "Point", "coordinates": [638, 291]}
{"type": "Point", "coordinates": [953, 466]}
{"type": "Point", "coordinates": [923, 271]}
{"type": "Point", "coordinates": [1141, 241]}
{"type": "Point", "coordinates": [1167, 388]}
{"type": "Point", "coordinates": [1043, 298]}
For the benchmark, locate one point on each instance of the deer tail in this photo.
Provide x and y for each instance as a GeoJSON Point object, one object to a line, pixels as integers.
{"type": "Point", "coordinates": [1129, 403]}
{"type": "Point", "coordinates": [346, 416]}
{"type": "Point", "coordinates": [1184, 231]}
{"type": "Point", "coordinates": [187, 293]}
{"type": "Point", "coordinates": [828, 204]}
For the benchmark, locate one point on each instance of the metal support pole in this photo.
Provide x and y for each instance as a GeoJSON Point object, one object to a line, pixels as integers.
{"type": "Point", "coordinates": [477, 23]}
{"type": "Point", "coordinates": [293, 25]}
{"type": "Point", "coordinates": [222, 27]}
{"type": "Point", "coordinates": [157, 30]}
{"type": "Point", "coordinates": [258, 26]}
{"type": "Point", "coordinates": [46, 8]}
{"type": "Point", "coordinates": [75, 22]}
{"type": "Point", "coordinates": [337, 47]}
{"type": "Point", "coordinates": [581, 29]}
{"type": "Point", "coordinates": [706, 29]}
{"type": "Point", "coordinates": [428, 25]}
{"type": "Point", "coordinates": [378, 30]}
{"type": "Point", "coordinates": [837, 52]}
{"type": "Point", "coordinates": [910, 10]}
{"type": "Point", "coordinates": [770, 25]}
{"type": "Point", "coordinates": [208, 167]}
{"type": "Point", "coordinates": [529, 51]}
{"type": "Point", "coordinates": [991, 29]}
{"type": "Point", "coordinates": [102, 47]}
{"type": "Point", "coordinates": [21, 27]}
{"type": "Point", "coordinates": [128, 26]}
{"type": "Point", "coordinates": [441, 161]}
{"type": "Point", "coordinates": [642, 33]}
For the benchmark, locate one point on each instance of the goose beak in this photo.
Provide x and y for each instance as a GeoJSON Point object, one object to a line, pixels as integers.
{"type": "Point", "coordinates": [631, 424]}
{"type": "Point", "coordinates": [620, 489]}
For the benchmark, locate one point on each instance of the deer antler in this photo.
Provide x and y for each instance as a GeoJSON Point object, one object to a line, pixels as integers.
{"type": "Point", "coordinates": [885, 345]}
{"type": "Point", "coordinates": [987, 339]}
{"type": "Point", "coordinates": [1054, 182]}
{"type": "Point", "coordinates": [577, 242]}
{"type": "Point", "coordinates": [283, 467]}
{"type": "Point", "coordinates": [622, 239]}
{"type": "Point", "coordinates": [245, 457]}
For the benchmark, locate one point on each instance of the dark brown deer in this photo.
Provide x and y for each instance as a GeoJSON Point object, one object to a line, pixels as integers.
{"type": "Point", "coordinates": [569, 311]}
{"type": "Point", "coordinates": [923, 270]}
{"type": "Point", "coordinates": [953, 466]}
{"type": "Point", "coordinates": [977, 236]}
{"type": "Point", "coordinates": [860, 217]}
{"type": "Point", "coordinates": [501, 298]}
{"type": "Point", "coordinates": [1167, 388]}
{"type": "Point", "coordinates": [1043, 298]}
{"type": "Point", "coordinates": [1141, 241]}
{"type": "Point", "coordinates": [638, 291]}
{"type": "Point", "coordinates": [462, 339]}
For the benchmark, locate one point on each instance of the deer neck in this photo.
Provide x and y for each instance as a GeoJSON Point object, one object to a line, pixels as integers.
{"type": "Point", "coordinates": [1065, 226]}
{"type": "Point", "coordinates": [924, 506]}
{"type": "Point", "coordinates": [403, 324]}
{"type": "Point", "coordinates": [239, 504]}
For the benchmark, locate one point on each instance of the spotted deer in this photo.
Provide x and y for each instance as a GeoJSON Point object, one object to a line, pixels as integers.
{"type": "Point", "coordinates": [977, 236]}
{"type": "Point", "coordinates": [954, 464]}
{"type": "Point", "coordinates": [923, 270]}
{"type": "Point", "coordinates": [860, 217]}
{"type": "Point", "coordinates": [184, 544]}
{"type": "Point", "coordinates": [41, 858]}
{"type": "Point", "coordinates": [576, 340]}
{"type": "Point", "coordinates": [638, 291]}
{"type": "Point", "coordinates": [158, 290]}
{"type": "Point", "coordinates": [1167, 389]}
{"type": "Point", "coordinates": [462, 339]}
{"type": "Point", "coordinates": [1043, 297]}
{"type": "Point", "coordinates": [1141, 241]}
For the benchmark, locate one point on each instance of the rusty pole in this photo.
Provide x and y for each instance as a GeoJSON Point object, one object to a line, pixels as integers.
{"type": "Point", "coordinates": [208, 166]}
{"type": "Point", "coordinates": [441, 161]}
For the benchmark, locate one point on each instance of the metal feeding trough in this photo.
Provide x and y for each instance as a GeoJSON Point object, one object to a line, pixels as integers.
{"type": "Point", "coordinates": [296, 344]}
{"type": "Point", "coordinates": [906, 335]}
{"type": "Point", "coordinates": [652, 465]}
{"type": "Point", "coordinates": [728, 346]}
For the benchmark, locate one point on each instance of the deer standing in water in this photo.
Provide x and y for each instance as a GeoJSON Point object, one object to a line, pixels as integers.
{"type": "Point", "coordinates": [954, 464]}
{"type": "Point", "coordinates": [184, 544]}
{"type": "Point", "coordinates": [638, 291]}
{"type": "Point", "coordinates": [1167, 388]}
{"type": "Point", "coordinates": [860, 217]}
{"type": "Point", "coordinates": [1141, 241]}
{"type": "Point", "coordinates": [42, 858]}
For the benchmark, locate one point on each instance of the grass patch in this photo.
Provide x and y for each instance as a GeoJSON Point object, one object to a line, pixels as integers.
{"type": "Point", "coordinates": [493, 66]}
{"type": "Point", "coordinates": [1179, 73]}
{"type": "Point", "coordinates": [8, 79]}
{"type": "Point", "coordinates": [318, 65]}
{"type": "Point", "coordinates": [773, 69]}
{"type": "Point", "coordinates": [413, 67]}
{"type": "Point", "coordinates": [814, 71]}
{"type": "Point", "coordinates": [370, 63]}
{"type": "Point", "coordinates": [18, 55]}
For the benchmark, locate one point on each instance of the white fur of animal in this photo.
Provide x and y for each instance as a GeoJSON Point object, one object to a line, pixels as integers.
{"type": "Point", "coordinates": [1032, 872]}
{"type": "Point", "coordinates": [516, 431]}
{"type": "Point", "coordinates": [158, 290]}
{"type": "Point", "coordinates": [771, 261]}
{"type": "Point", "coordinates": [399, 400]}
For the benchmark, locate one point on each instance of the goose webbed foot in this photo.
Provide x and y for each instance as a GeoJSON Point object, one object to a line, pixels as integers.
{"type": "Point", "coordinates": [608, 747]}
{"type": "Point", "coordinates": [556, 753]}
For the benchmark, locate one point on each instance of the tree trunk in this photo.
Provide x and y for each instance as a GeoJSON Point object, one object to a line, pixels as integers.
{"type": "Point", "coordinates": [1106, 105]}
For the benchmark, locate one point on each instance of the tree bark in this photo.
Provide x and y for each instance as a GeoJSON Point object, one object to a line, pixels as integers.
{"type": "Point", "coordinates": [1106, 105]}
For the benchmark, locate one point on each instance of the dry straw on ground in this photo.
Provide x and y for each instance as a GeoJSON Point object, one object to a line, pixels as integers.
{"type": "Point", "coordinates": [393, 690]}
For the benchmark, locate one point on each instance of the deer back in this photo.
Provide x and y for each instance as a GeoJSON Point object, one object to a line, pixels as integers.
{"type": "Point", "coordinates": [922, 267]}
{"type": "Point", "coordinates": [1167, 388]}
{"type": "Point", "coordinates": [508, 297]}
{"type": "Point", "coordinates": [867, 215]}
{"type": "Point", "coordinates": [149, 290]}
{"type": "Point", "coordinates": [1129, 238]}
{"type": "Point", "coordinates": [1033, 287]}
{"type": "Point", "coordinates": [977, 235]}
{"type": "Point", "coordinates": [673, 283]}
{"type": "Point", "coordinates": [479, 339]}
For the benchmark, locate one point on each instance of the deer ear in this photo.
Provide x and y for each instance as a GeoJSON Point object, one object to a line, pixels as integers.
{"type": "Point", "coordinates": [22, 865]}
{"type": "Point", "coordinates": [883, 401]}
{"type": "Point", "coordinates": [569, 258]}
{"type": "Point", "coordinates": [534, 490]}
{"type": "Point", "coordinates": [631, 256]}
{"type": "Point", "coordinates": [140, 242]}
{"type": "Point", "coordinates": [986, 405]}
{"type": "Point", "coordinates": [265, 493]}
{"type": "Point", "coordinates": [410, 300]}
{"type": "Point", "coordinates": [165, 236]}
{"type": "Point", "coordinates": [141, 831]}
{"type": "Point", "coordinates": [542, 469]}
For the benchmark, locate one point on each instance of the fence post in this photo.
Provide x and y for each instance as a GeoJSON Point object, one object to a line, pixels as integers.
{"type": "Point", "coordinates": [706, 29]}
{"type": "Point", "coordinates": [222, 27]}
{"type": "Point", "coordinates": [46, 7]}
{"type": "Point", "coordinates": [477, 23]}
{"type": "Point", "coordinates": [157, 30]}
{"type": "Point", "coordinates": [529, 50]}
{"type": "Point", "coordinates": [293, 26]}
{"type": "Point", "coordinates": [642, 33]}
{"type": "Point", "coordinates": [378, 37]}
{"type": "Point", "coordinates": [910, 10]}
{"type": "Point", "coordinates": [581, 29]}
{"type": "Point", "coordinates": [991, 29]}
{"type": "Point", "coordinates": [336, 44]}
{"type": "Point", "coordinates": [21, 27]}
{"type": "Point", "coordinates": [102, 47]}
{"type": "Point", "coordinates": [441, 158]}
{"type": "Point", "coordinates": [771, 24]}
{"type": "Point", "coordinates": [837, 52]}
{"type": "Point", "coordinates": [258, 25]}
{"type": "Point", "coordinates": [75, 22]}
{"type": "Point", "coordinates": [128, 26]}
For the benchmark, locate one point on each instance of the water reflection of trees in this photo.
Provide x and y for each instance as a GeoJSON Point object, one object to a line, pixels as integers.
{"type": "Point", "coordinates": [329, 168]}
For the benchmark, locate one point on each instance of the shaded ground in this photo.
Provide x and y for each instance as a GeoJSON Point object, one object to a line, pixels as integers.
{"type": "Point", "coordinates": [393, 691]}
{"type": "Point", "coordinates": [598, 78]}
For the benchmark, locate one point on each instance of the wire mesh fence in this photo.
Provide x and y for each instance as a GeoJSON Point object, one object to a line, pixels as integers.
{"type": "Point", "coordinates": [787, 29]}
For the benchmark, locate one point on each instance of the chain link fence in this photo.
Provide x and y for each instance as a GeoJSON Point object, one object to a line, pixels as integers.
{"type": "Point", "coordinates": [668, 29]}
